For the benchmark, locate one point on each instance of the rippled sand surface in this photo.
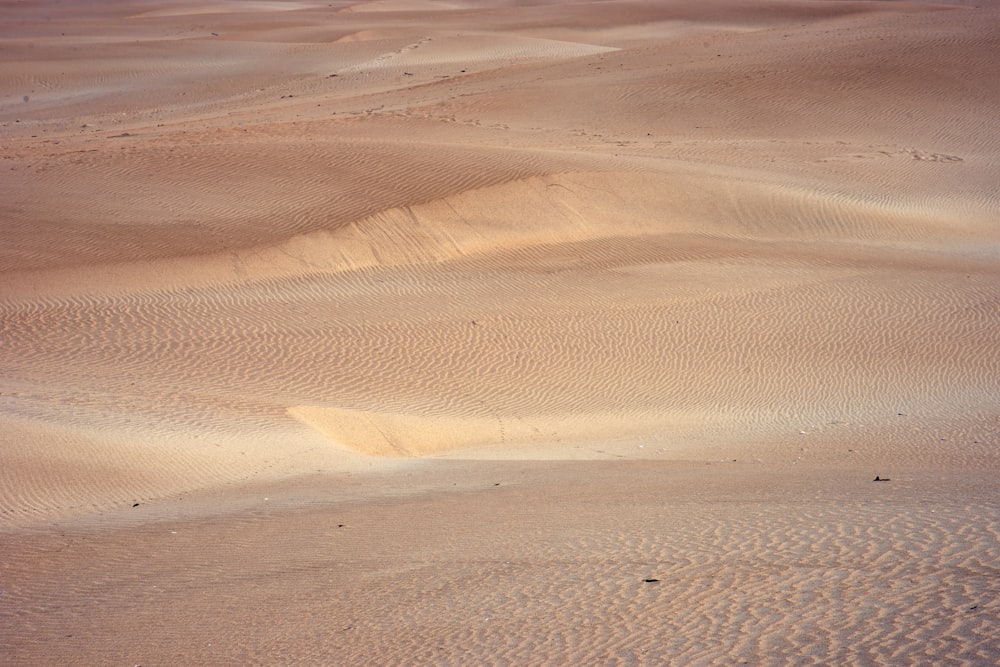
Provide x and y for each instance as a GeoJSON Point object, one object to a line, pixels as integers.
{"type": "Point", "coordinates": [493, 332]}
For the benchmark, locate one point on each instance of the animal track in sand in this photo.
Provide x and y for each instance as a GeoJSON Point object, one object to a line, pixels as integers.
{"type": "Point", "coordinates": [891, 152]}
{"type": "Point", "coordinates": [933, 157]}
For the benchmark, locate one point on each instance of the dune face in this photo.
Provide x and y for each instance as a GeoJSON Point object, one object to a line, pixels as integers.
{"type": "Point", "coordinates": [426, 332]}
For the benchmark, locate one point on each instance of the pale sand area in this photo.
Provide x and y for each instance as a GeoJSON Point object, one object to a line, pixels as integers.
{"type": "Point", "coordinates": [425, 332]}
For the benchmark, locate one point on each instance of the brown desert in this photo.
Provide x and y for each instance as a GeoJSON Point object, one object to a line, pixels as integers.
{"type": "Point", "coordinates": [500, 332]}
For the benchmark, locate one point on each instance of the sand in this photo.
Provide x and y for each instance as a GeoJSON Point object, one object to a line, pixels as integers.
{"type": "Point", "coordinates": [499, 332]}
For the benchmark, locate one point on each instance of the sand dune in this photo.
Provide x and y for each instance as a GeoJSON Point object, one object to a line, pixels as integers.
{"type": "Point", "coordinates": [425, 332]}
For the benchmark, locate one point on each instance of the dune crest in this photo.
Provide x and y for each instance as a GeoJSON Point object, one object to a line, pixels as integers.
{"type": "Point", "coordinates": [408, 435]}
{"type": "Point", "coordinates": [396, 435]}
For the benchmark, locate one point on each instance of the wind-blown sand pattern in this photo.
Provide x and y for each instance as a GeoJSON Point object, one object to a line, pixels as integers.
{"type": "Point", "coordinates": [491, 332]}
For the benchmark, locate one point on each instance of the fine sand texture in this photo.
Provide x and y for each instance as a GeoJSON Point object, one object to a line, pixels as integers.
{"type": "Point", "coordinates": [510, 332]}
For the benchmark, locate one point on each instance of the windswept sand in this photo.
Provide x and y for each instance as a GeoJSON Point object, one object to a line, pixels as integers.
{"type": "Point", "coordinates": [425, 332]}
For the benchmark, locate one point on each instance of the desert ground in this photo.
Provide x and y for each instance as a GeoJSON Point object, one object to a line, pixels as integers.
{"type": "Point", "coordinates": [499, 332]}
